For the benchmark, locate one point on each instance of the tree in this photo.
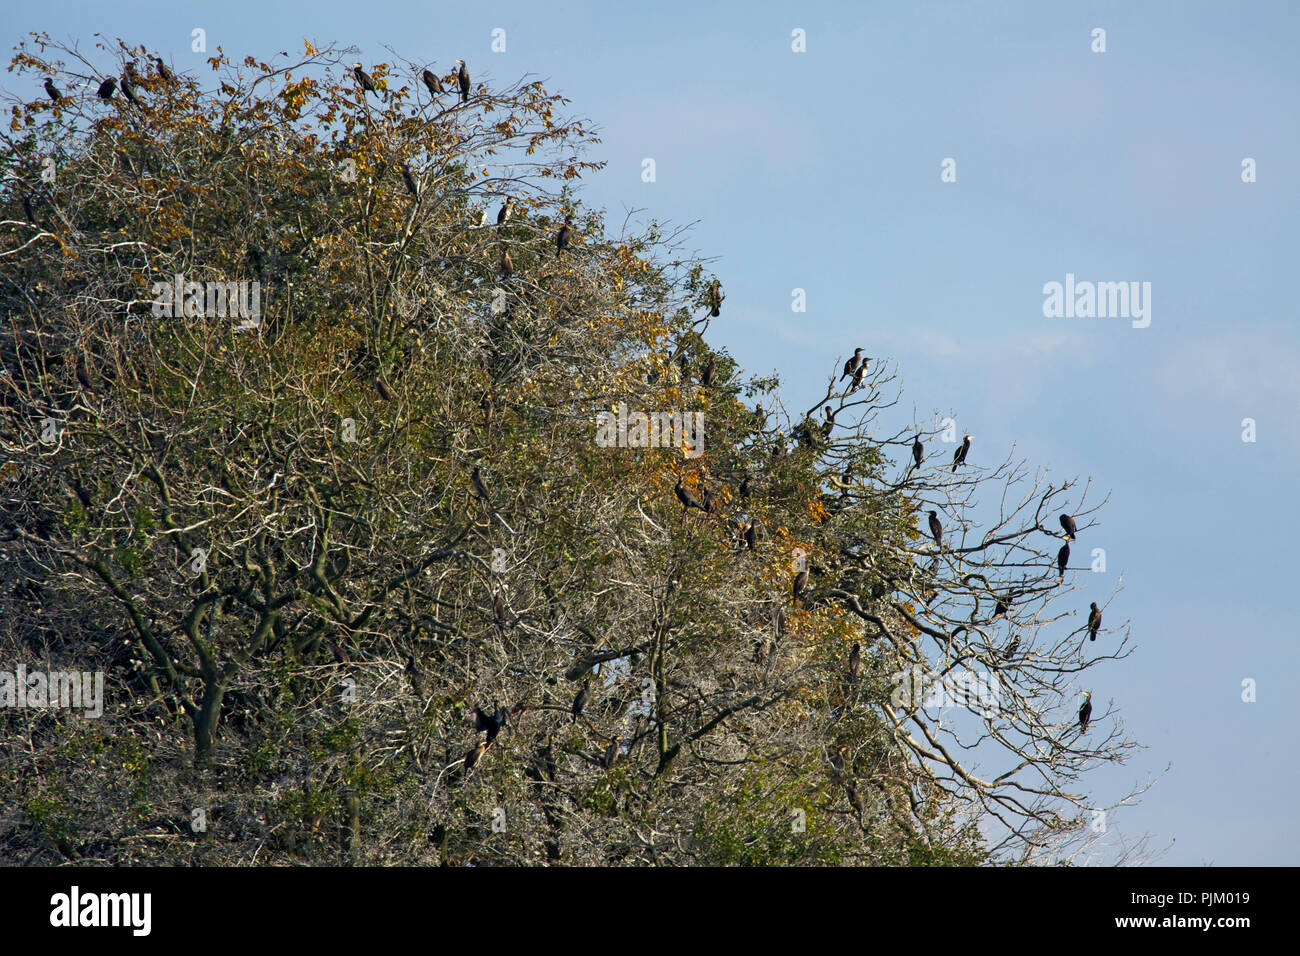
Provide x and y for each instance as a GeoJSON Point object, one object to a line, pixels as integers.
{"type": "Point", "coordinates": [345, 548]}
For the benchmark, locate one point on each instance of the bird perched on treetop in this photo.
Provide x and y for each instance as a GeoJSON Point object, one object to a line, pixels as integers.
{"type": "Point", "coordinates": [715, 298]}
{"type": "Point", "coordinates": [367, 84]}
{"type": "Point", "coordinates": [432, 81]}
{"type": "Point", "coordinates": [859, 376]}
{"type": "Point", "coordinates": [128, 85]}
{"type": "Point", "coordinates": [163, 70]}
{"type": "Point", "coordinates": [852, 364]}
{"type": "Point", "coordinates": [580, 701]}
{"type": "Point", "coordinates": [1062, 560]}
{"type": "Point", "coordinates": [562, 237]}
{"type": "Point", "coordinates": [687, 499]}
{"type": "Point", "coordinates": [480, 489]}
{"type": "Point", "coordinates": [710, 373]}
{"type": "Point", "coordinates": [800, 583]}
{"type": "Point", "coordinates": [1071, 529]}
{"type": "Point", "coordinates": [105, 91]}
{"type": "Point", "coordinates": [959, 456]}
{"type": "Point", "coordinates": [1094, 621]}
{"type": "Point", "coordinates": [1000, 608]}
{"type": "Point", "coordinates": [751, 536]}
{"type": "Point", "coordinates": [918, 450]}
{"type": "Point", "coordinates": [462, 77]}
{"type": "Point", "coordinates": [936, 529]}
{"type": "Point", "coordinates": [506, 211]}
{"type": "Point", "coordinates": [855, 662]}
{"type": "Point", "coordinates": [52, 90]}
{"type": "Point", "coordinates": [410, 181]}
{"type": "Point", "coordinates": [1085, 712]}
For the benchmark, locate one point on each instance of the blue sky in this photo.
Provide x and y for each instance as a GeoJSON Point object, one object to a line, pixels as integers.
{"type": "Point", "coordinates": [821, 171]}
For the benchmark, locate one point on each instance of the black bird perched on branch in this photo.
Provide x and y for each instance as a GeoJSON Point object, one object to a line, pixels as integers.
{"type": "Point", "coordinates": [710, 374]}
{"type": "Point", "coordinates": [1010, 652]}
{"type": "Point", "coordinates": [580, 701]}
{"type": "Point", "coordinates": [1094, 621]}
{"type": "Point", "coordinates": [462, 77]}
{"type": "Point", "coordinates": [1000, 608]}
{"type": "Point", "coordinates": [859, 377]}
{"type": "Point", "coordinates": [855, 662]}
{"type": "Point", "coordinates": [1085, 712]}
{"type": "Point", "coordinates": [491, 724]}
{"type": "Point", "coordinates": [410, 181]}
{"type": "Point", "coordinates": [936, 529]}
{"type": "Point", "coordinates": [474, 755]}
{"type": "Point", "coordinates": [367, 84]}
{"type": "Point", "coordinates": [800, 583]}
{"type": "Point", "coordinates": [715, 298]}
{"type": "Point", "coordinates": [28, 211]}
{"type": "Point", "coordinates": [852, 364]}
{"type": "Point", "coordinates": [687, 499]}
{"type": "Point", "coordinates": [480, 489]}
{"type": "Point", "coordinates": [751, 536]}
{"type": "Point", "coordinates": [780, 622]}
{"type": "Point", "coordinates": [499, 610]}
{"type": "Point", "coordinates": [432, 81]}
{"type": "Point", "coordinates": [382, 389]}
{"type": "Point", "coordinates": [1071, 529]}
{"type": "Point", "coordinates": [51, 90]}
{"type": "Point", "coordinates": [507, 267]}
{"type": "Point", "coordinates": [918, 450]}
{"type": "Point", "coordinates": [506, 211]}
{"type": "Point", "coordinates": [1062, 559]}
{"type": "Point", "coordinates": [128, 86]}
{"type": "Point", "coordinates": [105, 91]}
{"type": "Point", "coordinates": [959, 456]}
{"type": "Point", "coordinates": [562, 237]}
{"type": "Point", "coordinates": [163, 70]}
{"type": "Point", "coordinates": [828, 423]}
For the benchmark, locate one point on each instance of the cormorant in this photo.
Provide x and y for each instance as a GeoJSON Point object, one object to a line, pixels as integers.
{"type": "Point", "coordinates": [1094, 621]}
{"type": "Point", "coordinates": [1071, 529]}
{"type": "Point", "coordinates": [432, 81]}
{"type": "Point", "coordinates": [1010, 652]}
{"type": "Point", "coordinates": [105, 91]}
{"type": "Point", "coordinates": [84, 379]}
{"type": "Point", "coordinates": [710, 374]}
{"type": "Point", "coordinates": [163, 70]}
{"type": "Point", "coordinates": [128, 87]}
{"type": "Point", "coordinates": [382, 389]}
{"type": "Point", "coordinates": [462, 77]}
{"type": "Point", "coordinates": [52, 90]}
{"type": "Point", "coordinates": [780, 622]}
{"type": "Point", "coordinates": [800, 583]}
{"type": "Point", "coordinates": [859, 376]}
{"type": "Point", "coordinates": [855, 662]}
{"type": "Point", "coordinates": [28, 211]}
{"type": "Point", "coordinates": [687, 499]}
{"type": "Point", "coordinates": [1000, 608]}
{"type": "Point", "coordinates": [491, 724]}
{"type": "Point", "coordinates": [715, 298]}
{"type": "Point", "coordinates": [706, 499]}
{"type": "Point", "coordinates": [507, 267]}
{"type": "Point", "coordinates": [751, 536]}
{"type": "Point", "coordinates": [852, 364]}
{"type": "Point", "coordinates": [580, 701]}
{"type": "Point", "coordinates": [410, 181]}
{"type": "Point", "coordinates": [367, 84]}
{"type": "Point", "coordinates": [828, 424]}
{"type": "Point", "coordinates": [474, 755]}
{"type": "Point", "coordinates": [936, 529]}
{"type": "Point", "coordinates": [506, 211]}
{"type": "Point", "coordinates": [959, 456]}
{"type": "Point", "coordinates": [480, 488]}
{"type": "Point", "coordinates": [562, 237]}
{"type": "Point", "coordinates": [1085, 712]}
{"type": "Point", "coordinates": [1062, 559]}
{"type": "Point", "coordinates": [744, 487]}
{"type": "Point", "coordinates": [918, 450]}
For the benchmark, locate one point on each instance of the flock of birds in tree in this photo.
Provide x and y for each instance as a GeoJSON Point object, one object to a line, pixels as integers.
{"type": "Point", "coordinates": [855, 369]}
